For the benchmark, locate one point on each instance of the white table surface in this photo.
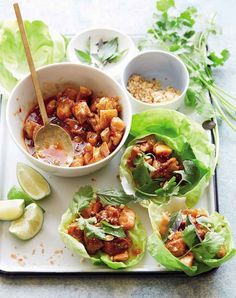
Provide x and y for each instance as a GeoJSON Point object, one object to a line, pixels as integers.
{"type": "Point", "coordinates": [134, 17]}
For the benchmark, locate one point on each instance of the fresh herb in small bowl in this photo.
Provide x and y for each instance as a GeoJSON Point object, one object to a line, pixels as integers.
{"type": "Point", "coordinates": [107, 51]}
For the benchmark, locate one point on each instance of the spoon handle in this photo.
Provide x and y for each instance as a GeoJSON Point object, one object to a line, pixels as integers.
{"type": "Point", "coordinates": [30, 61]}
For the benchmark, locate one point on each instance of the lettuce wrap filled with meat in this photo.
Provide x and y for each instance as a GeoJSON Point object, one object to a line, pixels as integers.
{"type": "Point", "coordinates": [168, 155]}
{"type": "Point", "coordinates": [189, 240]}
{"type": "Point", "coordinates": [103, 230]}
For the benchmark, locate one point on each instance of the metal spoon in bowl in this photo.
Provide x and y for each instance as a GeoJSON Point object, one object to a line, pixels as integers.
{"type": "Point", "coordinates": [52, 143]}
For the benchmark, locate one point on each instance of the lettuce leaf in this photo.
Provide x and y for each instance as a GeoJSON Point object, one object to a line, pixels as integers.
{"type": "Point", "coordinates": [190, 144]}
{"type": "Point", "coordinates": [47, 47]}
{"type": "Point", "coordinates": [81, 200]}
{"type": "Point", "coordinates": [204, 251]}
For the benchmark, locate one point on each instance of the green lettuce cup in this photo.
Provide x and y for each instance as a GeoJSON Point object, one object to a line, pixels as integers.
{"type": "Point", "coordinates": [95, 234]}
{"type": "Point", "coordinates": [189, 240]}
{"type": "Point", "coordinates": [169, 140]}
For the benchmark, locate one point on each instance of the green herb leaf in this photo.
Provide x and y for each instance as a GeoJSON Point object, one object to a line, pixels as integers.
{"type": "Point", "coordinates": [190, 172]}
{"type": "Point", "coordinates": [164, 5]}
{"type": "Point", "coordinates": [190, 236]}
{"type": "Point", "coordinates": [116, 231]}
{"type": "Point", "coordinates": [114, 197]}
{"type": "Point", "coordinates": [209, 247]}
{"type": "Point", "coordinates": [107, 49]}
{"type": "Point", "coordinates": [169, 188]}
{"type": "Point", "coordinates": [91, 231]}
{"type": "Point", "coordinates": [117, 56]}
{"type": "Point", "coordinates": [83, 56]}
{"type": "Point", "coordinates": [82, 198]}
{"type": "Point", "coordinates": [219, 60]}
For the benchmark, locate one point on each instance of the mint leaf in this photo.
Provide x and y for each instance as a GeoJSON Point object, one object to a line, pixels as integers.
{"type": "Point", "coordinates": [164, 5]}
{"type": "Point", "coordinates": [82, 198]}
{"type": "Point", "coordinates": [107, 49]}
{"type": "Point", "coordinates": [190, 172]}
{"type": "Point", "coordinates": [114, 197]}
{"type": "Point", "coordinates": [116, 231]}
{"type": "Point", "coordinates": [83, 56]}
{"type": "Point", "coordinates": [190, 236]}
{"type": "Point", "coordinates": [91, 231]}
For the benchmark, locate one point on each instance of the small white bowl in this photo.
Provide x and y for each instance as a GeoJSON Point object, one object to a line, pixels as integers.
{"type": "Point", "coordinates": [79, 41]}
{"type": "Point", "coordinates": [161, 65]}
{"type": "Point", "coordinates": [53, 78]}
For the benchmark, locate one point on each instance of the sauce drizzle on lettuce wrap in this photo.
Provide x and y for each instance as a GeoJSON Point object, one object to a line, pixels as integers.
{"type": "Point", "coordinates": [168, 156]}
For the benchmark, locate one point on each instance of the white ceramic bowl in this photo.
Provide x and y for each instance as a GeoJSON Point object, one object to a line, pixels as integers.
{"type": "Point", "coordinates": [165, 67]}
{"type": "Point", "coordinates": [53, 78]}
{"type": "Point", "coordinates": [79, 41]}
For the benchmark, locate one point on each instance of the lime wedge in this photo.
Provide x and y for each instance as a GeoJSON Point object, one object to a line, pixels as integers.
{"type": "Point", "coordinates": [32, 182]}
{"type": "Point", "coordinates": [11, 210]}
{"type": "Point", "coordinates": [29, 224]}
{"type": "Point", "coordinates": [17, 193]}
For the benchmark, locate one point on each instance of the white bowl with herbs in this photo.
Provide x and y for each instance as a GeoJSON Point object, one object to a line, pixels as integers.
{"type": "Point", "coordinates": [104, 48]}
{"type": "Point", "coordinates": [155, 79]}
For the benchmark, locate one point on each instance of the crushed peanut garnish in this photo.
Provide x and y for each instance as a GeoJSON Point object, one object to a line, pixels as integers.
{"type": "Point", "coordinates": [150, 91]}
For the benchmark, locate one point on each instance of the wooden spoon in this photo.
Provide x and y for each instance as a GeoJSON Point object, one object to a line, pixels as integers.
{"type": "Point", "coordinates": [52, 143]}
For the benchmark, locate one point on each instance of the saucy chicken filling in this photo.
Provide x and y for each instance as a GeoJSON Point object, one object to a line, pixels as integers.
{"type": "Point", "coordinates": [93, 123]}
{"type": "Point", "coordinates": [105, 229]}
{"type": "Point", "coordinates": [156, 157]}
{"type": "Point", "coordinates": [173, 233]}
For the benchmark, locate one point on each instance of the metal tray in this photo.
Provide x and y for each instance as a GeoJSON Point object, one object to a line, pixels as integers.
{"type": "Point", "coordinates": [46, 253]}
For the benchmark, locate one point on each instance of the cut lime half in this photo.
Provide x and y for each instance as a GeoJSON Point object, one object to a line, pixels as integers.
{"type": "Point", "coordinates": [29, 224]}
{"type": "Point", "coordinates": [32, 182]}
{"type": "Point", "coordinates": [11, 210]}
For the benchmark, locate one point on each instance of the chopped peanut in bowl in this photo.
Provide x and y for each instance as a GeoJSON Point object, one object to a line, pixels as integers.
{"type": "Point", "coordinates": [93, 123]}
{"type": "Point", "coordinates": [150, 91]}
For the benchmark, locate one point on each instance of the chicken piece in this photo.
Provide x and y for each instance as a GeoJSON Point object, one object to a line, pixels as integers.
{"type": "Point", "coordinates": [95, 122]}
{"type": "Point", "coordinates": [164, 224]}
{"type": "Point", "coordinates": [51, 107]}
{"type": "Point", "coordinates": [106, 117]}
{"type": "Point", "coordinates": [162, 150]}
{"type": "Point", "coordinates": [31, 128]}
{"type": "Point", "coordinates": [70, 93]}
{"type": "Point", "coordinates": [83, 94]}
{"type": "Point", "coordinates": [92, 209]}
{"type": "Point", "coordinates": [121, 257]}
{"type": "Point", "coordinates": [92, 138]}
{"type": "Point", "coordinates": [75, 232]}
{"type": "Point", "coordinates": [117, 124]}
{"type": "Point", "coordinates": [146, 147]}
{"type": "Point", "coordinates": [134, 153]}
{"type": "Point", "coordinates": [188, 259]}
{"type": "Point", "coordinates": [92, 245]}
{"type": "Point", "coordinates": [108, 103]}
{"type": "Point", "coordinates": [88, 153]}
{"type": "Point", "coordinates": [127, 219]}
{"type": "Point", "coordinates": [117, 246]}
{"type": "Point", "coordinates": [64, 108]}
{"type": "Point", "coordinates": [110, 214]}
{"type": "Point", "coordinates": [104, 150]}
{"type": "Point", "coordinates": [222, 252]}
{"type": "Point", "coordinates": [81, 111]}
{"type": "Point", "coordinates": [195, 212]}
{"type": "Point", "coordinates": [116, 137]}
{"type": "Point", "coordinates": [96, 155]}
{"type": "Point", "coordinates": [74, 127]}
{"type": "Point", "coordinates": [176, 245]}
{"type": "Point", "coordinates": [105, 135]}
{"type": "Point", "coordinates": [165, 169]}
{"type": "Point", "coordinates": [78, 161]}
